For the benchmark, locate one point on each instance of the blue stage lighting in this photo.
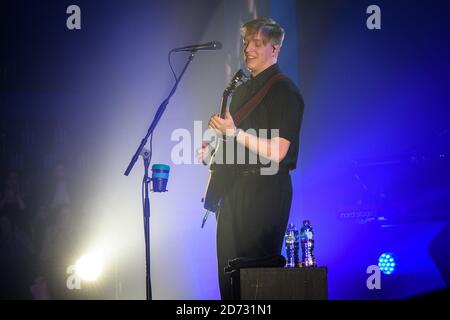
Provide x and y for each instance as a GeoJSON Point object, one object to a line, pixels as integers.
{"type": "Point", "coordinates": [387, 263]}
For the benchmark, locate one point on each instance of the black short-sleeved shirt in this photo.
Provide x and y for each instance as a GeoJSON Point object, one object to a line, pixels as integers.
{"type": "Point", "coordinates": [282, 109]}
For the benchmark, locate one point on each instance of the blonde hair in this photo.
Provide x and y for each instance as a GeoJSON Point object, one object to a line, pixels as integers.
{"type": "Point", "coordinates": [269, 29]}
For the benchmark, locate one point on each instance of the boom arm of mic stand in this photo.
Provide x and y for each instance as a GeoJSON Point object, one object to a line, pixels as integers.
{"type": "Point", "coordinates": [158, 116]}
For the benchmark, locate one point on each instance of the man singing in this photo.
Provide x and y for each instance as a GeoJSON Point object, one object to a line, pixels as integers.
{"type": "Point", "coordinates": [255, 207]}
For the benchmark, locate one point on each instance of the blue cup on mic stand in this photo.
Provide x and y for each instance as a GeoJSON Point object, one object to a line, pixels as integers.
{"type": "Point", "coordinates": [160, 176]}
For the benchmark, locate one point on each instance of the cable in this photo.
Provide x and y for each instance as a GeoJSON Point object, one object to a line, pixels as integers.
{"type": "Point", "coordinates": [171, 67]}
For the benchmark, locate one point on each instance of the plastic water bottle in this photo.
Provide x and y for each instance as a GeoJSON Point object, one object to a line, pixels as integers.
{"type": "Point", "coordinates": [292, 246]}
{"type": "Point", "coordinates": [307, 242]}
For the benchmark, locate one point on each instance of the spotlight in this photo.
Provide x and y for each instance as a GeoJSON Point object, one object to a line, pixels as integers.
{"type": "Point", "coordinates": [387, 263]}
{"type": "Point", "coordinates": [89, 267]}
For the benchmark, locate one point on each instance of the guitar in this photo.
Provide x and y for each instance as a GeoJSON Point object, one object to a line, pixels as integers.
{"type": "Point", "coordinates": [215, 187]}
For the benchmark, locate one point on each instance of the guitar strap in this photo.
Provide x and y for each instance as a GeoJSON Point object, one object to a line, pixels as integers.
{"type": "Point", "coordinates": [243, 112]}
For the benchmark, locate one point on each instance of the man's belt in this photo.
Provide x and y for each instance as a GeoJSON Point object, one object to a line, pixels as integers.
{"type": "Point", "coordinates": [254, 171]}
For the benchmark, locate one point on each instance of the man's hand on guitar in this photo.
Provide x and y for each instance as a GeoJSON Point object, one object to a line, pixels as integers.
{"type": "Point", "coordinates": [223, 126]}
{"type": "Point", "coordinates": [204, 153]}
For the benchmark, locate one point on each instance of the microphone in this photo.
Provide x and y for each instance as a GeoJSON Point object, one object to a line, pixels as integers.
{"type": "Point", "coordinates": [213, 45]}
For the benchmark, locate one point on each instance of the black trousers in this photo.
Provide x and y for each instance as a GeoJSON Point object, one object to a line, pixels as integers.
{"type": "Point", "coordinates": [252, 221]}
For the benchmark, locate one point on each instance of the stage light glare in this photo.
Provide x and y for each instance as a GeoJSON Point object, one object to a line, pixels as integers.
{"type": "Point", "coordinates": [89, 267]}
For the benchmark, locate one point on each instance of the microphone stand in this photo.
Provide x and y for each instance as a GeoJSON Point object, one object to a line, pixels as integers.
{"type": "Point", "coordinates": [147, 155]}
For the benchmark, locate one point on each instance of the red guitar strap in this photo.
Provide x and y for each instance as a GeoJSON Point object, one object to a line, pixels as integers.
{"type": "Point", "coordinates": [254, 101]}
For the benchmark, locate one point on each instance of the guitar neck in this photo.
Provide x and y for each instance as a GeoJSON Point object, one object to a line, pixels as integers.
{"type": "Point", "coordinates": [223, 107]}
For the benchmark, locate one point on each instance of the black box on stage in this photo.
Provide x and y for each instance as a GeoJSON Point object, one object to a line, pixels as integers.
{"type": "Point", "coordinates": [280, 284]}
